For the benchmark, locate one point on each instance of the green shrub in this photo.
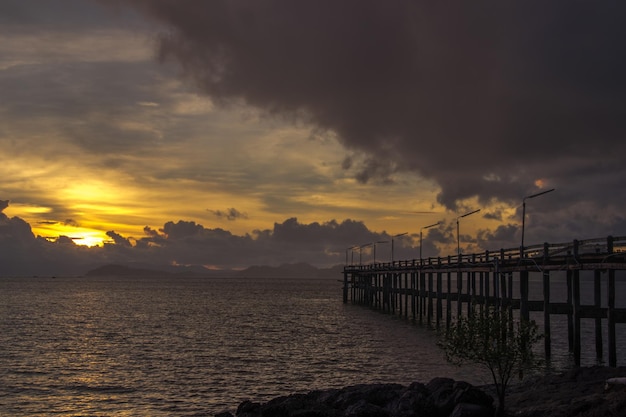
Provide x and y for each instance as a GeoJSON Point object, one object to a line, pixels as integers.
{"type": "Point", "coordinates": [493, 339]}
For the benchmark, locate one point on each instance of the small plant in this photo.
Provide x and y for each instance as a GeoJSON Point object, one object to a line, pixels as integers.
{"type": "Point", "coordinates": [493, 339]}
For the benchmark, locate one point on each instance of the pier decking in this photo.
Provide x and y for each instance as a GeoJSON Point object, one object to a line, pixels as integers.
{"type": "Point", "coordinates": [426, 290]}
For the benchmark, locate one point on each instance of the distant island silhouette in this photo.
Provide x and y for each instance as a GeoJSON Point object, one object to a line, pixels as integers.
{"type": "Point", "coordinates": [294, 270]}
{"type": "Point", "coordinates": [121, 271]}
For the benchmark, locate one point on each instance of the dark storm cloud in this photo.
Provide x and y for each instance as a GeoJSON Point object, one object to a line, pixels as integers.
{"type": "Point", "coordinates": [14, 228]}
{"type": "Point", "coordinates": [494, 215]}
{"type": "Point", "coordinates": [328, 233]}
{"type": "Point", "coordinates": [182, 229]}
{"type": "Point", "coordinates": [22, 253]}
{"type": "Point", "coordinates": [189, 243]}
{"type": "Point", "coordinates": [118, 239]}
{"type": "Point", "coordinates": [66, 222]}
{"type": "Point", "coordinates": [70, 14]}
{"type": "Point", "coordinates": [500, 238]}
{"type": "Point", "coordinates": [484, 97]}
{"type": "Point", "coordinates": [35, 12]}
{"type": "Point", "coordinates": [230, 214]}
{"type": "Point", "coordinates": [55, 95]}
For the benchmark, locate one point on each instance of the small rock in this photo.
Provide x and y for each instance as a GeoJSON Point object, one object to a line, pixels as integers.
{"type": "Point", "coordinates": [248, 409]}
{"type": "Point", "coordinates": [446, 393]}
{"type": "Point", "coordinates": [471, 410]}
{"type": "Point", "coordinates": [413, 401]}
{"type": "Point", "coordinates": [614, 383]}
{"type": "Point", "coordinates": [364, 409]}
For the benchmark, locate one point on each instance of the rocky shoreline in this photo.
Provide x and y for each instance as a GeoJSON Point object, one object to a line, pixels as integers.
{"type": "Point", "coordinates": [579, 392]}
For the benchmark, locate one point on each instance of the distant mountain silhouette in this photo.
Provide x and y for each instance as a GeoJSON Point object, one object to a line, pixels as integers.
{"type": "Point", "coordinates": [296, 270]}
{"type": "Point", "coordinates": [120, 270]}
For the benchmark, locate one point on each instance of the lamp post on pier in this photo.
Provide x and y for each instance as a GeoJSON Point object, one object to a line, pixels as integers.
{"type": "Point", "coordinates": [423, 228]}
{"type": "Point", "coordinates": [361, 250]}
{"type": "Point", "coordinates": [351, 249]}
{"type": "Point", "coordinates": [458, 239]}
{"type": "Point", "coordinates": [524, 214]}
{"type": "Point", "coordinates": [392, 238]}
{"type": "Point", "coordinates": [380, 241]}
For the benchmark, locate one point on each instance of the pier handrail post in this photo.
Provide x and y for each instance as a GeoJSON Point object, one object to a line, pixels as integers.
{"type": "Point", "coordinates": [576, 307]}
{"type": "Point", "coordinates": [570, 308]}
{"type": "Point", "coordinates": [597, 303]}
{"type": "Point", "coordinates": [414, 289]}
{"type": "Point", "coordinates": [485, 283]}
{"type": "Point", "coordinates": [504, 302]}
{"type": "Point", "coordinates": [449, 295]}
{"type": "Point", "coordinates": [439, 293]}
{"type": "Point", "coordinates": [496, 282]}
{"type": "Point", "coordinates": [523, 282]}
{"type": "Point", "coordinates": [546, 302]}
{"type": "Point", "coordinates": [429, 312]}
{"type": "Point", "coordinates": [459, 291]}
{"type": "Point", "coordinates": [472, 288]}
{"type": "Point", "coordinates": [611, 309]}
{"type": "Point", "coordinates": [510, 288]}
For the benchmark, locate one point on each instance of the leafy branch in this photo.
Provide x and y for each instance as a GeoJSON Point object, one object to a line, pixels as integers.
{"type": "Point", "coordinates": [492, 338]}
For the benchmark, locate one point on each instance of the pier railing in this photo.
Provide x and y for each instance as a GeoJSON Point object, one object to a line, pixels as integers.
{"type": "Point", "coordinates": [427, 289]}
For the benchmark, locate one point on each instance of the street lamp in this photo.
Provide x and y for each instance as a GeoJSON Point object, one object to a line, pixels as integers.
{"type": "Point", "coordinates": [458, 240]}
{"type": "Point", "coordinates": [392, 237]}
{"type": "Point", "coordinates": [380, 241]}
{"type": "Point", "coordinates": [524, 212]}
{"type": "Point", "coordinates": [360, 250]}
{"type": "Point", "coordinates": [351, 249]}
{"type": "Point", "coordinates": [425, 227]}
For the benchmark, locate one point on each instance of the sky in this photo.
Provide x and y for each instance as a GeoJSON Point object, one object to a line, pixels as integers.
{"type": "Point", "coordinates": [231, 133]}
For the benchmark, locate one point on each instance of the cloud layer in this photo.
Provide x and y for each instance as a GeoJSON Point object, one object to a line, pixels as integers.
{"type": "Point", "coordinates": [188, 244]}
{"type": "Point", "coordinates": [262, 124]}
{"type": "Point", "coordinates": [485, 98]}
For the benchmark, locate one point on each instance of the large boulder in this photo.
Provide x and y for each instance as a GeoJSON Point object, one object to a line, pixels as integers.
{"type": "Point", "coordinates": [439, 398]}
{"type": "Point", "coordinates": [416, 400]}
{"type": "Point", "coordinates": [447, 393]}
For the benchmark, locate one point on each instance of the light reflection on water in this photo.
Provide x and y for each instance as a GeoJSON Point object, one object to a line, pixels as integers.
{"type": "Point", "coordinates": [184, 346]}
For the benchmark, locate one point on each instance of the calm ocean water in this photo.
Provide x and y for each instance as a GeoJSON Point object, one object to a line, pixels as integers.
{"type": "Point", "coordinates": [166, 346]}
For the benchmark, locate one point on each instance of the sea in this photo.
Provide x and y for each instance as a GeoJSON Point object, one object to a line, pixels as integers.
{"type": "Point", "coordinates": [198, 346]}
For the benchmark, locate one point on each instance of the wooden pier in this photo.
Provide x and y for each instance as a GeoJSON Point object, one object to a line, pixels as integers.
{"type": "Point", "coordinates": [431, 291]}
